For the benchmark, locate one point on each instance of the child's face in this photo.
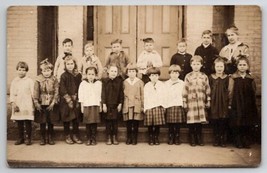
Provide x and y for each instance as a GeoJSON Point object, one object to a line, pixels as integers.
{"type": "Point", "coordinates": [196, 66]}
{"type": "Point", "coordinates": [242, 66]}
{"type": "Point", "coordinates": [46, 72]}
{"type": "Point", "coordinates": [154, 78]}
{"type": "Point", "coordinates": [67, 47]}
{"type": "Point", "coordinates": [112, 72]}
{"type": "Point", "coordinates": [70, 65]}
{"type": "Point", "coordinates": [181, 47]}
{"type": "Point", "coordinates": [131, 73]}
{"type": "Point", "coordinates": [90, 75]}
{"type": "Point", "coordinates": [148, 47]}
{"type": "Point", "coordinates": [219, 67]}
{"type": "Point", "coordinates": [206, 39]}
{"type": "Point", "coordinates": [21, 72]}
{"type": "Point", "coordinates": [232, 37]}
{"type": "Point", "coordinates": [116, 47]}
{"type": "Point", "coordinates": [174, 75]}
{"type": "Point", "coordinates": [89, 51]}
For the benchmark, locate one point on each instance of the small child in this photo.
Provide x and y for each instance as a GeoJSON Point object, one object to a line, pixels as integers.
{"type": "Point", "coordinates": [148, 58]}
{"type": "Point", "coordinates": [196, 98]}
{"type": "Point", "coordinates": [182, 59]}
{"type": "Point", "coordinates": [207, 52]}
{"type": "Point", "coordinates": [90, 98]}
{"type": "Point", "coordinates": [220, 85]}
{"type": "Point", "coordinates": [21, 95]}
{"type": "Point", "coordinates": [90, 59]}
{"type": "Point", "coordinates": [133, 105]}
{"type": "Point", "coordinates": [45, 98]}
{"type": "Point", "coordinates": [59, 65]}
{"type": "Point", "coordinates": [117, 57]}
{"type": "Point", "coordinates": [69, 106]}
{"type": "Point", "coordinates": [112, 99]}
{"type": "Point", "coordinates": [153, 105]}
{"type": "Point", "coordinates": [174, 104]}
{"type": "Point", "coordinates": [244, 110]}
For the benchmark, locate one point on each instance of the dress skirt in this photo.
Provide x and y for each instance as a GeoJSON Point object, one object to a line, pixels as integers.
{"type": "Point", "coordinates": [131, 115]}
{"type": "Point", "coordinates": [154, 116]}
{"type": "Point", "coordinates": [91, 114]}
{"type": "Point", "coordinates": [175, 114]}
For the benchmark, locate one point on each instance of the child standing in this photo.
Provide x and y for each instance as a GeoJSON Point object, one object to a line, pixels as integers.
{"type": "Point", "coordinates": [196, 98]}
{"type": "Point", "coordinates": [182, 59]}
{"type": "Point", "coordinates": [153, 105]}
{"type": "Point", "coordinates": [21, 95]}
{"type": "Point", "coordinates": [133, 105]}
{"type": "Point", "coordinates": [69, 106]}
{"type": "Point", "coordinates": [45, 98]}
{"type": "Point", "coordinates": [90, 99]}
{"type": "Point", "coordinates": [90, 59]}
{"type": "Point", "coordinates": [117, 57]}
{"type": "Point", "coordinates": [207, 52]}
{"type": "Point", "coordinates": [112, 99]}
{"type": "Point", "coordinates": [148, 58]}
{"type": "Point", "coordinates": [67, 51]}
{"type": "Point", "coordinates": [174, 104]}
{"type": "Point", "coordinates": [244, 110]}
{"type": "Point", "coordinates": [220, 85]}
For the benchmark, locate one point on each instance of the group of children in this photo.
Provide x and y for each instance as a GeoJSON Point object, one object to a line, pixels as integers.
{"type": "Point", "coordinates": [196, 93]}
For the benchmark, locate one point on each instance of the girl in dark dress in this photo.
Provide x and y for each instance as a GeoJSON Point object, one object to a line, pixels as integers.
{"type": "Point", "coordinates": [220, 91]}
{"type": "Point", "coordinates": [69, 106]}
{"type": "Point", "coordinates": [244, 110]}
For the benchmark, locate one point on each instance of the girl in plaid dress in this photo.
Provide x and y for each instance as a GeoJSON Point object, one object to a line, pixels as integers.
{"type": "Point", "coordinates": [174, 104]}
{"type": "Point", "coordinates": [196, 98]}
{"type": "Point", "coordinates": [133, 104]}
{"type": "Point", "coordinates": [153, 105]}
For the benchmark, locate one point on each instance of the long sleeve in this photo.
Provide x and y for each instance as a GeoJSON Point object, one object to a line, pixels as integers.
{"type": "Point", "coordinates": [185, 90]}
{"type": "Point", "coordinates": [12, 91]}
{"type": "Point", "coordinates": [157, 62]}
{"type": "Point", "coordinates": [121, 96]}
{"type": "Point", "coordinates": [230, 90]}
{"type": "Point", "coordinates": [172, 60]}
{"type": "Point", "coordinates": [146, 97]}
{"type": "Point", "coordinates": [208, 91]}
{"type": "Point", "coordinates": [56, 88]}
{"type": "Point", "coordinates": [81, 93]}
{"type": "Point", "coordinates": [62, 86]}
{"type": "Point", "coordinates": [141, 62]}
{"type": "Point", "coordinates": [56, 66]}
{"type": "Point", "coordinates": [99, 90]}
{"type": "Point", "coordinates": [103, 93]}
{"type": "Point", "coordinates": [142, 94]}
{"type": "Point", "coordinates": [99, 67]}
{"type": "Point", "coordinates": [36, 93]}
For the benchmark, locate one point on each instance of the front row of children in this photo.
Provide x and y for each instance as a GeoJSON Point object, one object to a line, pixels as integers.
{"type": "Point", "coordinates": [173, 102]}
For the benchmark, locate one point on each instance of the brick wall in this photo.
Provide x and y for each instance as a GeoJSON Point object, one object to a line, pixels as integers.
{"type": "Point", "coordinates": [248, 20]}
{"type": "Point", "coordinates": [21, 40]}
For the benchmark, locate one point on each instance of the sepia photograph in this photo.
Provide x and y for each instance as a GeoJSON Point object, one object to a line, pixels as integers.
{"type": "Point", "coordinates": [143, 86]}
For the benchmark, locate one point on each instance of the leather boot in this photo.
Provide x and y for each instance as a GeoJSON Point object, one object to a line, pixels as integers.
{"type": "Point", "coordinates": [177, 139]}
{"type": "Point", "coordinates": [171, 139]}
{"type": "Point", "coordinates": [129, 134]}
{"type": "Point", "coordinates": [28, 139]}
{"type": "Point", "coordinates": [76, 139]}
{"type": "Point", "coordinates": [51, 139]}
{"type": "Point", "coordinates": [109, 142]}
{"type": "Point", "coordinates": [216, 140]}
{"type": "Point", "coordinates": [222, 141]}
{"type": "Point", "coordinates": [150, 136]}
{"type": "Point", "coordinates": [114, 140]}
{"type": "Point", "coordinates": [20, 139]}
{"type": "Point", "coordinates": [200, 140]}
{"type": "Point", "coordinates": [192, 140]}
{"type": "Point", "coordinates": [156, 136]}
{"type": "Point", "coordinates": [134, 135]}
{"type": "Point", "coordinates": [93, 139]}
{"type": "Point", "coordinates": [69, 140]}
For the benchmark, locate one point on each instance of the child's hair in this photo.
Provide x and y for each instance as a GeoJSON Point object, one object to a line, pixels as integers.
{"type": "Point", "coordinates": [148, 40]}
{"type": "Point", "coordinates": [131, 66]}
{"type": "Point", "coordinates": [220, 59]}
{"type": "Point", "coordinates": [91, 68]}
{"type": "Point", "coordinates": [66, 40]}
{"type": "Point", "coordinates": [89, 44]}
{"type": "Point", "coordinates": [112, 65]}
{"type": "Point", "coordinates": [153, 70]}
{"type": "Point", "coordinates": [174, 68]}
{"type": "Point", "coordinates": [232, 28]}
{"type": "Point", "coordinates": [207, 32]}
{"type": "Point", "coordinates": [116, 41]}
{"type": "Point", "coordinates": [70, 58]}
{"type": "Point", "coordinates": [22, 64]}
{"type": "Point", "coordinates": [45, 64]}
{"type": "Point", "coordinates": [182, 40]}
{"type": "Point", "coordinates": [196, 58]}
{"type": "Point", "coordinates": [242, 58]}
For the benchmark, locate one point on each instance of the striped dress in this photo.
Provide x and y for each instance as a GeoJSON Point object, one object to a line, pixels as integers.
{"type": "Point", "coordinates": [196, 93]}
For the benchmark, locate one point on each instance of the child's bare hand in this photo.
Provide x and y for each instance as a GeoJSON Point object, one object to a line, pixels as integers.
{"type": "Point", "coordinates": [119, 107]}
{"type": "Point", "coordinates": [185, 107]}
{"type": "Point", "coordinates": [50, 107]}
{"type": "Point", "coordinates": [38, 107]}
{"type": "Point", "coordinates": [208, 104]}
{"type": "Point", "coordinates": [105, 109]}
{"type": "Point", "coordinates": [70, 104]}
{"type": "Point", "coordinates": [16, 108]}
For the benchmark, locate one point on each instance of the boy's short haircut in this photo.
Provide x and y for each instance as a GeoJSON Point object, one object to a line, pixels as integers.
{"type": "Point", "coordinates": [91, 68]}
{"type": "Point", "coordinates": [182, 40]}
{"type": "Point", "coordinates": [153, 70]}
{"type": "Point", "coordinates": [234, 29]}
{"type": "Point", "coordinates": [175, 68]}
{"type": "Point", "coordinates": [207, 32]}
{"type": "Point", "coordinates": [89, 44]}
{"type": "Point", "coordinates": [148, 40]}
{"type": "Point", "coordinates": [66, 40]}
{"type": "Point", "coordinates": [45, 64]}
{"type": "Point", "coordinates": [196, 58]}
{"type": "Point", "coordinates": [22, 64]}
{"type": "Point", "coordinates": [131, 66]}
{"type": "Point", "coordinates": [116, 41]}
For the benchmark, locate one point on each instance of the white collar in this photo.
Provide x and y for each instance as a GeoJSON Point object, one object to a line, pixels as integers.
{"type": "Point", "coordinates": [132, 82]}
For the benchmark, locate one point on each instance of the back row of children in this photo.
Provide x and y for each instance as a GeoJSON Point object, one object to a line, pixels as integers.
{"type": "Point", "coordinates": [193, 88]}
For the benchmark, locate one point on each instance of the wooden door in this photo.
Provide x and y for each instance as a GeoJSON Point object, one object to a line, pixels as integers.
{"type": "Point", "coordinates": [163, 24]}
{"type": "Point", "coordinates": [115, 22]}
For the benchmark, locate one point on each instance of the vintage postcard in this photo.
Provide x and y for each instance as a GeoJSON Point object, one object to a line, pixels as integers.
{"type": "Point", "coordinates": [134, 86]}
